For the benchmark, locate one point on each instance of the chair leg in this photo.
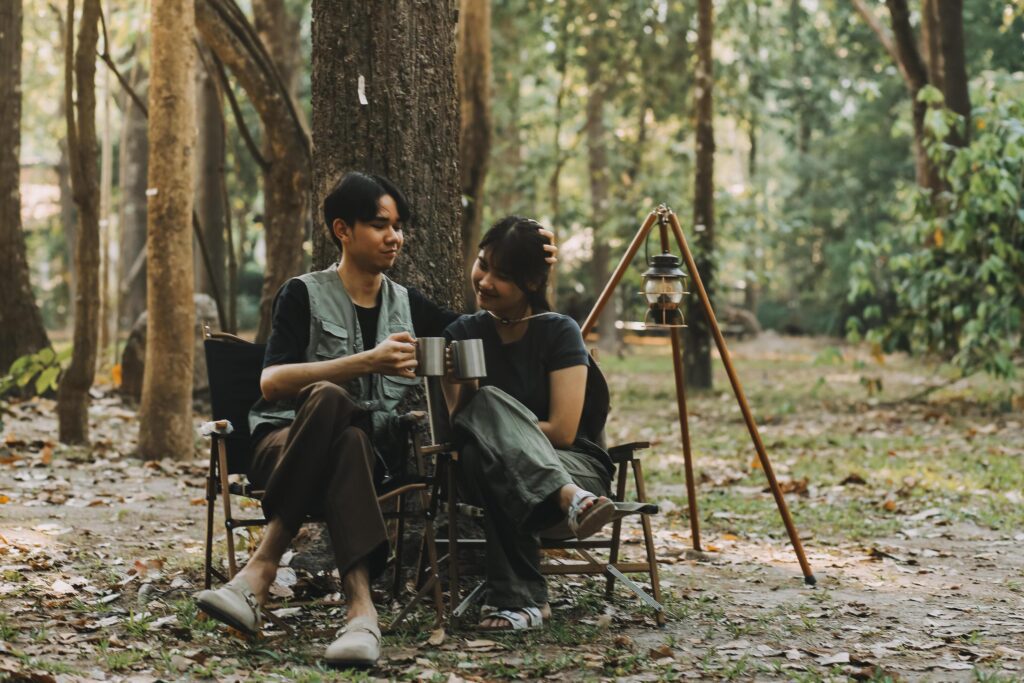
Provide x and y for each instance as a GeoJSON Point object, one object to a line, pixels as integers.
{"type": "Point", "coordinates": [226, 496]}
{"type": "Point", "coordinates": [211, 499]}
{"type": "Point", "coordinates": [453, 540]}
{"type": "Point", "coordinates": [652, 557]}
{"type": "Point", "coordinates": [396, 587]}
{"type": "Point", "coordinates": [613, 553]}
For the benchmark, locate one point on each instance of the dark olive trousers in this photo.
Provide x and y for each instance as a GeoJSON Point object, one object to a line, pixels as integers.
{"type": "Point", "coordinates": [323, 465]}
{"type": "Point", "coordinates": [508, 467]}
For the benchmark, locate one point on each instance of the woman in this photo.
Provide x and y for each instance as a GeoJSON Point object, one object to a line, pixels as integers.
{"type": "Point", "coordinates": [527, 431]}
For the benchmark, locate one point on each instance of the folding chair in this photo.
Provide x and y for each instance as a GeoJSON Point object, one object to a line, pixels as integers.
{"type": "Point", "coordinates": [234, 366]}
{"type": "Point", "coordinates": [625, 459]}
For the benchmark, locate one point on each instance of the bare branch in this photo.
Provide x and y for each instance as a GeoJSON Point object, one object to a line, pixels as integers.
{"type": "Point", "coordinates": [884, 36]}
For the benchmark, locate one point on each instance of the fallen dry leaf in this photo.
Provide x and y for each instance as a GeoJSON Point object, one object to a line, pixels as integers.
{"type": "Point", "coordinates": [436, 637]}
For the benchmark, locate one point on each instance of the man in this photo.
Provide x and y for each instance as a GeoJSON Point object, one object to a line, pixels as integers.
{"type": "Point", "coordinates": [340, 357]}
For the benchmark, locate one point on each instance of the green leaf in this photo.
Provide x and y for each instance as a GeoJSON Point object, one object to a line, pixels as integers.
{"type": "Point", "coordinates": [47, 379]}
{"type": "Point", "coordinates": [46, 356]}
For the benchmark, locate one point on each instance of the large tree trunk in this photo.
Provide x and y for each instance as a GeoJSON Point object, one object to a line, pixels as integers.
{"type": "Point", "coordinates": [210, 160]}
{"type": "Point", "coordinates": [473, 65]}
{"type": "Point", "coordinates": [697, 336]}
{"type": "Point", "coordinates": [398, 58]}
{"type": "Point", "coordinates": [597, 170]}
{"type": "Point", "coordinates": [134, 165]}
{"type": "Point", "coordinates": [279, 30]}
{"type": "Point", "coordinates": [287, 173]}
{"type": "Point", "coordinates": [73, 395]}
{"type": "Point", "coordinates": [21, 325]}
{"type": "Point", "coordinates": [165, 415]}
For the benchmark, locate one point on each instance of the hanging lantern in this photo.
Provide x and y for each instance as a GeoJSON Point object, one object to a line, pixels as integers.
{"type": "Point", "coordinates": [664, 290]}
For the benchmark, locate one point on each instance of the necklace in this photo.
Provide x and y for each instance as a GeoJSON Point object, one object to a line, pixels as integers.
{"type": "Point", "coordinates": [507, 321]}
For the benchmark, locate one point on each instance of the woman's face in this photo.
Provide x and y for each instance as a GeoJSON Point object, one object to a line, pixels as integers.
{"type": "Point", "coordinates": [495, 292]}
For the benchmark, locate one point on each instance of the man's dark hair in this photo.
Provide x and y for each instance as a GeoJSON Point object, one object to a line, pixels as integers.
{"type": "Point", "coordinates": [356, 198]}
{"type": "Point", "coordinates": [517, 253]}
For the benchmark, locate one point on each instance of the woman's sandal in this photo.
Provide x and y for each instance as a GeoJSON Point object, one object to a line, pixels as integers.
{"type": "Point", "coordinates": [584, 523]}
{"type": "Point", "coordinates": [521, 619]}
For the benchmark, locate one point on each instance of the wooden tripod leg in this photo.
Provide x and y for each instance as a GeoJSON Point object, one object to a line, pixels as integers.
{"type": "Point", "coordinates": [613, 282]}
{"type": "Point", "coordinates": [454, 596]}
{"type": "Point", "coordinates": [684, 429]}
{"type": "Point", "coordinates": [755, 436]}
{"type": "Point", "coordinates": [222, 455]}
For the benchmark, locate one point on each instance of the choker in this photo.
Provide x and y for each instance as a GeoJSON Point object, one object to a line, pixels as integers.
{"type": "Point", "coordinates": [507, 321]}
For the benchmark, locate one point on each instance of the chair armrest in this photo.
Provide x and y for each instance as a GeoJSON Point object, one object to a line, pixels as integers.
{"type": "Point", "coordinates": [216, 428]}
{"type": "Point", "coordinates": [625, 452]}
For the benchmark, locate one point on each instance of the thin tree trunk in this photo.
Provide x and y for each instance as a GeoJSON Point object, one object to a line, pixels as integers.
{"type": "Point", "coordinates": [80, 103]}
{"type": "Point", "coordinates": [954, 63]}
{"type": "Point", "coordinates": [210, 161]}
{"type": "Point", "coordinates": [287, 174]}
{"type": "Point", "coordinates": [165, 416]}
{"type": "Point", "coordinates": [597, 168]}
{"type": "Point", "coordinates": [473, 66]}
{"type": "Point", "coordinates": [134, 165]}
{"type": "Point", "coordinates": [68, 214]}
{"type": "Point", "coordinates": [21, 325]}
{"type": "Point", "coordinates": [280, 32]}
{"type": "Point", "coordinates": [107, 238]}
{"type": "Point", "coordinates": [400, 56]}
{"type": "Point", "coordinates": [931, 42]}
{"type": "Point", "coordinates": [697, 336]}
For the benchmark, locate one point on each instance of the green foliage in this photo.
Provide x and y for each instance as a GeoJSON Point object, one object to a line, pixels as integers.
{"type": "Point", "coordinates": [949, 278]}
{"type": "Point", "coordinates": [35, 373]}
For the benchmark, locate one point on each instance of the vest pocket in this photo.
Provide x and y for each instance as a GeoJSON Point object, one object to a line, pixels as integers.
{"type": "Point", "coordinates": [395, 387]}
{"type": "Point", "coordinates": [333, 341]}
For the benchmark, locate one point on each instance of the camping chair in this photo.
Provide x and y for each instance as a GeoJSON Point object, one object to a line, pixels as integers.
{"type": "Point", "coordinates": [234, 366]}
{"type": "Point", "coordinates": [625, 459]}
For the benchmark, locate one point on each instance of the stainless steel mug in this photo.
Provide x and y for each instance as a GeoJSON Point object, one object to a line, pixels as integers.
{"type": "Point", "coordinates": [468, 359]}
{"type": "Point", "coordinates": [430, 356]}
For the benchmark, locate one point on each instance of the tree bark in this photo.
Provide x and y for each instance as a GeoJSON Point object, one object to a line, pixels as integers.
{"type": "Point", "coordinates": [697, 336]}
{"type": "Point", "coordinates": [287, 176]}
{"type": "Point", "coordinates": [279, 30]}
{"type": "Point", "coordinates": [21, 325]}
{"type": "Point", "coordinates": [73, 394]}
{"type": "Point", "coordinates": [954, 66]}
{"type": "Point", "coordinates": [598, 173]}
{"type": "Point", "coordinates": [400, 57]}
{"type": "Point", "coordinates": [165, 416]}
{"type": "Point", "coordinates": [931, 42]}
{"type": "Point", "coordinates": [134, 165]}
{"type": "Point", "coordinates": [210, 160]}
{"type": "Point", "coordinates": [107, 225]}
{"type": "Point", "coordinates": [473, 66]}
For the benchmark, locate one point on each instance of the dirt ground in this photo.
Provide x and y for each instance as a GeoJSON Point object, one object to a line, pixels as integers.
{"type": "Point", "coordinates": [910, 512]}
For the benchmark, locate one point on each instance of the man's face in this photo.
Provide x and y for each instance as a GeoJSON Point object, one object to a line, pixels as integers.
{"type": "Point", "coordinates": [373, 245]}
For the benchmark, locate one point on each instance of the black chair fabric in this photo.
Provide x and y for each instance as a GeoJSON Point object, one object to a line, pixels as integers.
{"type": "Point", "coordinates": [234, 369]}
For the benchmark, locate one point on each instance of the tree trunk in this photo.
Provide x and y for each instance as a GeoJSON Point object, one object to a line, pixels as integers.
{"type": "Point", "coordinates": [954, 66]}
{"type": "Point", "coordinates": [107, 237]}
{"type": "Point", "coordinates": [134, 165]}
{"type": "Point", "coordinates": [915, 75]}
{"type": "Point", "coordinates": [697, 336]}
{"type": "Point", "coordinates": [597, 169]}
{"type": "Point", "coordinates": [73, 395]}
{"type": "Point", "coordinates": [279, 30]}
{"type": "Point", "coordinates": [473, 65]}
{"type": "Point", "coordinates": [400, 57]}
{"type": "Point", "coordinates": [931, 42]}
{"type": "Point", "coordinates": [165, 415]}
{"type": "Point", "coordinates": [21, 325]}
{"type": "Point", "coordinates": [227, 32]}
{"type": "Point", "coordinates": [210, 160]}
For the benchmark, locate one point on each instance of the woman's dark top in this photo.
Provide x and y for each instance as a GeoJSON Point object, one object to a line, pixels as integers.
{"type": "Point", "coordinates": [552, 342]}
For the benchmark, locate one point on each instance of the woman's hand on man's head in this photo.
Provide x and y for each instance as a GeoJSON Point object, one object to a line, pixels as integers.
{"type": "Point", "coordinates": [551, 248]}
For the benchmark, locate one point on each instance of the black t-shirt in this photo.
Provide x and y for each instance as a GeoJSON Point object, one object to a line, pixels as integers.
{"type": "Point", "coordinates": [552, 342]}
{"type": "Point", "coordinates": [289, 336]}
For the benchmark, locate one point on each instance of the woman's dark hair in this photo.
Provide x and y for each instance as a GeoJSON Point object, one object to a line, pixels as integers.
{"type": "Point", "coordinates": [356, 198]}
{"type": "Point", "coordinates": [517, 253]}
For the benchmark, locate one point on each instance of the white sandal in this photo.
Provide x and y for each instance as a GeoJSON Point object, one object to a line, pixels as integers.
{"type": "Point", "coordinates": [357, 644]}
{"type": "Point", "coordinates": [521, 619]}
{"type": "Point", "coordinates": [233, 604]}
{"type": "Point", "coordinates": [584, 523]}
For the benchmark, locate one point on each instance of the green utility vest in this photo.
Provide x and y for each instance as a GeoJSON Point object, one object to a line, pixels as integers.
{"type": "Point", "coordinates": [333, 333]}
